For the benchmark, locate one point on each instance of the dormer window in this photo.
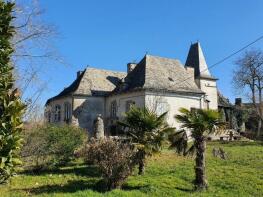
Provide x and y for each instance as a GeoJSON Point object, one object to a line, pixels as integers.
{"type": "Point", "coordinates": [170, 79]}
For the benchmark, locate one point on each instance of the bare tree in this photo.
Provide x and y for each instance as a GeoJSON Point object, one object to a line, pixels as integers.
{"type": "Point", "coordinates": [248, 77]}
{"type": "Point", "coordinates": [34, 49]}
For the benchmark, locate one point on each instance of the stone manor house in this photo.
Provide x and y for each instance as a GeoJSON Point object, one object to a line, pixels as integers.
{"type": "Point", "coordinates": [162, 84]}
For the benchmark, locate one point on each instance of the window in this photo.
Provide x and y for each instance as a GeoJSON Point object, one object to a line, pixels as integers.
{"type": "Point", "coordinates": [57, 113]}
{"type": "Point", "coordinates": [49, 116]}
{"type": "Point", "coordinates": [113, 109]}
{"type": "Point", "coordinates": [207, 103]}
{"type": "Point", "coordinates": [67, 111]}
{"type": "Point", "coordinates": [161, 108]}
{"type": "Point", "coordinates": [129, 104]}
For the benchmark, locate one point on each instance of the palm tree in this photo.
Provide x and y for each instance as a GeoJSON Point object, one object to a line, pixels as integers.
{"type": "Point", "coordinates": [200, 123]}
{"type": "Point", "coordinates": [146, 130]}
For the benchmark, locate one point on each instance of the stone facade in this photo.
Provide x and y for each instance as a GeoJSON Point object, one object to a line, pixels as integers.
{"type": "Point", "coordinates": [161, 84]}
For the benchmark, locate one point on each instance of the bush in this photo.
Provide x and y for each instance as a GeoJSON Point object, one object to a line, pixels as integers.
{"type": "Point", "coordinates": [114, 159]}
{"type": "Point", "coordinates": [49, 145]}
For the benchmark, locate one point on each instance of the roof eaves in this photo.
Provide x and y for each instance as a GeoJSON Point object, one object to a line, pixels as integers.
{"type": "Point", "coordinates": [67, 91]}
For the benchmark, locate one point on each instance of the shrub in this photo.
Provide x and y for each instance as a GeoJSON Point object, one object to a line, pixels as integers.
{"type": "Point", "coordinates": [114, 159]}
{"type": "Point", "coordinates": [50, 145]}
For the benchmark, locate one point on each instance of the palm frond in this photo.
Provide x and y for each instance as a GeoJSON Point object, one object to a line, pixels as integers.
{"type": "Point", "coordinates": [191, 151]}
{"type": "Point", "coordinates": [146, 128]}
{"type": "Point", "coordinates": [178, 141]}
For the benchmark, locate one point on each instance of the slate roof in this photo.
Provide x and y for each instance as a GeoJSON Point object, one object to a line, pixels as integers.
{"type": "Point", "coordinates": [158, 73]}
{"type": "Point", "coordinates": [196, 60]}
{"type": "Point", "coordinates": [99, 81]}
{"type": "Point", "coordinates": [223, 101]}
{"type": "Point", "coordinates": [151, 73]}
{"type": "Point", "coordinates": [93, 82]}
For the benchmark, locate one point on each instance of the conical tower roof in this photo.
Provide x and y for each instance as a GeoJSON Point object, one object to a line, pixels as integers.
{"type": "Point", "coordinates": [196, 59]}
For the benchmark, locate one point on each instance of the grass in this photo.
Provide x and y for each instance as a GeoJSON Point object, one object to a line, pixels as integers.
{"type": "Point", "coordinates": [166, 175]}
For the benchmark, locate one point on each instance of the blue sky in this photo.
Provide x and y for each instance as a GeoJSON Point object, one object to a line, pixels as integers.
{"type": "Point", "coordinates": [109, 34]}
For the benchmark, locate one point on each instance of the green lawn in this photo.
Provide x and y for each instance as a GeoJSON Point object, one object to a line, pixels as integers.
{"type": "Point", "coordinates": [166, 175]}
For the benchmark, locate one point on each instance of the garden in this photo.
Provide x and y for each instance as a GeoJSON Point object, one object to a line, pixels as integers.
{"type": "Point", "coordinates": [167, 174]}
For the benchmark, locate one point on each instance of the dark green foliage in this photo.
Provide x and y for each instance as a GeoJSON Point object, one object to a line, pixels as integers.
{"type": "Point", "coordinates": [49, 146]}
{"type": "Point", "coordinates": [241, 115]}
{"type": "Point", "coordinates": [200, 123]}
{"type": "Point", "coordinates": [114, 159]}
{"type": "Point", "coordinates": [147, 131]}
{"type": "Point", "coordinates": [11, 107]}
{"type": "Point", "coordinates": [179, 142]}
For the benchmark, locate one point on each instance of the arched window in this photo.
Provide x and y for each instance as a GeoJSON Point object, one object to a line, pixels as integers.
{"type": "Point", "coordinates": [57, 113]}
{"type": "Point", "coordinates": [67, 111]}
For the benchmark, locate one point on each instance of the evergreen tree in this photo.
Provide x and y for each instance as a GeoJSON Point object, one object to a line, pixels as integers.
{"type": "Point", "coordinates": [200, 122]}
{"type": "Point", "coordinates": [11, 107]}
{"type": "Point", "coordinates": [147, 132]}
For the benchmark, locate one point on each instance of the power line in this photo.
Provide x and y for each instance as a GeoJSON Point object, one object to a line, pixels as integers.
{"type": "Point", "coordinates": [227, 57]}
{"type": "Point", "coordinates": [236, 52]}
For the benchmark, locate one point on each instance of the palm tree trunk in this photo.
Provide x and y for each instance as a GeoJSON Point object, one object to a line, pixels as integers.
{"type": "Point", "coordinates": [259, 127]}
{"type": "Point", "coordinates": [200, 177]}
{"type": "Point", "coordinates": [141, 167]}
{"type": "Point", "coordinates": [141, 161]}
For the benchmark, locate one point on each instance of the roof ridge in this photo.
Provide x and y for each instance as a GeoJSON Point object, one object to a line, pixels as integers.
{"type": "Point", "coordinates": [168, 58]}
{"type": "Point", "coordinates": [105, 70]}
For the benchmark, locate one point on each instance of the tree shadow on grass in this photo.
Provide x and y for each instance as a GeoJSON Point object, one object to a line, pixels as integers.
{"type": "Point", "coordinates": [84, 170]}
{"type": "Point", "coordinates": [185, 189]}
{"type": "Point", "coordinates": [238, 143]}
{"type": "Point", "coordinates": [127, 187]}
{"type": "Point", "coordinates": [69, 187]}
{"type": "Point", "coordinates": [77, 185]}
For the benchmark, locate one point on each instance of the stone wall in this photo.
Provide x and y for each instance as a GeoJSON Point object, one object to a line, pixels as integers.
{"type": "Point", "coordinates": [51, 109]}
{"type": "Point", "coordinates": [122, 99]}
{"type": "Point", "coordinates": [86, 109]}
{"type": "Point", "coordinates": [210, 88]}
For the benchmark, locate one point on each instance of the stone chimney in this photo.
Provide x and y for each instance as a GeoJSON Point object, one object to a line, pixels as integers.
{"type": "Point", "coordinates": [130, 67]}
{"type": "Point", "coordinates": [79, 73]}
{"type": "Point", "coordinates": [238, 102]}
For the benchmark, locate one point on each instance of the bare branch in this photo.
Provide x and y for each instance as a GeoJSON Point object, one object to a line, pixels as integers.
{"type": "Point", "coordinates": [34, 49]}
{"type": "Point", "coordinates": [248, 77]}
